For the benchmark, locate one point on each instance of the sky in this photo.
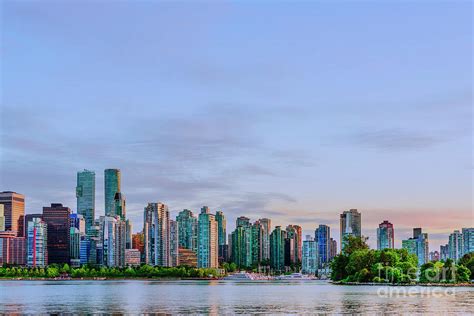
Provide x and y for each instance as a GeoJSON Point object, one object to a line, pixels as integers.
{"type": "Point", "coordinates": [294, 111]}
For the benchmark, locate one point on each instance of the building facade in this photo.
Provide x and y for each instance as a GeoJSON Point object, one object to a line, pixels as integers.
{"type": "Point", "coordinates": [267, 229]}
{"type": "Point", "coordinates": [221, 234]}
{"type": "Point", "coordinates": [385, 236]}
{"type": "Point", "coordinates": [112, 184]}
{"type": "Point", "coordinates": [174, 244]}
{"type": "Point", "coordinates": [58, 219]}
{"type": "Point", "coordinates": [350, 223]}
{"type": "Point", "coordinates": [418, 245]}
{"type": "Point", "coordinates": [456, 246]}
{"type": "Point", "coordinates": [187, 228]}
{"type": "Point", "coordinates": [277, 249]}
{"type": "Point", "coordinates": [37, 243]}
{"type": "Point", "coordinates": [468, 240]}
{"type": "Point", "coordinates": [85, 196]}
{"type": "Point", "coordinates": [207, 254]}
{"type": "Point", "coordinates": [156, 234]}
{"type": "Point", "coordinates": [13, 211]}
{"type": "Point", "coordinates": [309, 264]}
{"type": "Point", "coordinates": [322, 236]}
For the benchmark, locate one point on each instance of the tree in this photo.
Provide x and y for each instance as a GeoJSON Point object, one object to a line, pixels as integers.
{"type": "Point", "coordinates": [353, 243]}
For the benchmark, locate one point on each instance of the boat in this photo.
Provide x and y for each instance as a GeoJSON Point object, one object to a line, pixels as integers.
{"type": "Point", "coordinates": [295, 276]}
{"type": "Point", "coordinates": [240, 276]}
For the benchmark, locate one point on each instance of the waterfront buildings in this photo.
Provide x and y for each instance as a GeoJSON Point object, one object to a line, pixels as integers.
{"type": "Point", "coordinates": [257, 242]}
{"type": "Point", "coordinates": [333, 249]}
{"type": "Point", "coordinates": [350, 223]}
{"type": "Point", "coordinates": [85, 196]}
{"type": "Point", "coordinates": [455, 245]}
{"type": "Point", "coordinates": [75, 246]}
{"type": "Point", "coordinates": [37, 243]}
{"type": "Point", "coordinates": [187, 228]}
{"type": "Point", "coordinates": [112, 183]}
{"type": "Point", "coordinates": [468, 240]}
{"type": "Point", "coordinates": [13, 211]}
{"type": "Point", "coordinates": [207, 255]}
{"type": "Point", "coordinates": [443, 252]}
{"type": "Point", "coordinates": [267, 229]}
{"type": "Point", "coordinates": [187, 257]}
{"type": "Point", "coordinates": [418, 245]}
{"type": "Point", "coordinates": [113, 240]}
{"type": "Point", "coordinates": [322, 237]}
{"type": "Point", "coordinates": [277, 249]}
{"type": "Point", "coordinates": [242, 244]}
{"type": "Point", "coordinates": [294, 232]}
{"type": "Point", "coordinates": [58, 219]}
{"type": "Point", "coordinates": [29, 218]}
{"type": "Point", "coordinates": [385, 236]}
{"type": "Point", "coordinates": [434, 256]}
{"type": "Point", "coordinates": [156, 234]}
{"type": "Point", "coordinates": [138, 243]}
{"type": "Point", "coordinates": [309, 264]}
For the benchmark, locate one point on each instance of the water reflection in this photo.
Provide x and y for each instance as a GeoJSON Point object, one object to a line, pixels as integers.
{"type": "Point", "coordinates": [217, 297]}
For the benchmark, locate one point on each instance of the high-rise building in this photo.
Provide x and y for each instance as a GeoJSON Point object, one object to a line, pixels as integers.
{"type": "Point", "coordinates": [385, 236]}
{"type": "Point", "coordinates": [322, 236]}
{"type": "Point", "coordinates": [187, 257]}
{"type": "Point", "coordinates": [119, 205]}
{"type": "Point", "coordinates": [257, 242]}
{"type": "Point", "coordinates": [333, 249]}
{"type": "Point", "coordinates": [242, 221]}
{"type": "Point", "coordinates": [267, 229]}
{"type": "Point", "coordinates": [295, 232]}
{"type": "Point", "coordinates": [129, 233]}
{"type": "Point", "coordinates": [350, 223]}
{"type": "Point", "coordinates": [468, 240]}
{"type": "Point", "coordinates": [132, 257]}
{"type": "Point", "coordinates": [418, 245]}
{"type": "Point", "coordinates": [242, 246]}
{"type": "Point", "coordinates": [14, 211]}
{"type": "Point", "coordinates": [112, 180]}
{"type": "Point", "coordinates": [12, 248]}
{"type": "Point", "coordinates": [187, 228]}
{"type": "Point", "coordinates": [456, 246]}
{"type": "Point", "coordinates": [37, 242]}
{"type": "Point", "coordinates": [113, 240]}
{"type": "Point", "coordinates": [138, 243]}
{"type": "Point", "coordinates": [443, 252]}
{"type": "Point", "coordinates": [309, 264]}
{"type": "Point", "coordinates": [29, 218]}
{"type": "Point", "coordinates": [174, 244]}
{"type": "Point", "coordinates": [221, 232]}
{"type": "Point", "coordinates": [277, 249]}
{"type": "Point", "coordinates": [2, 217]}
{"type": "Point", "coordinates": [85, 195]}
{"type": "Point", "coordinates": [207, 255]}
{"type": "Point", "coordinates": [58, 219]}
{"type": "Point", "coordinates": [434, 255]}
{"type": "Point", "coordinates": [75, 246]}
{"type": "Point", "coordinates": [156, 234]}
{"type": "Point", "coordinates": [78, 221]}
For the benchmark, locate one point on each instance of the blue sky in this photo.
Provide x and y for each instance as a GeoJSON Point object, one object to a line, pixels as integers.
{"type": "Point", "coordinates": [290, 110]}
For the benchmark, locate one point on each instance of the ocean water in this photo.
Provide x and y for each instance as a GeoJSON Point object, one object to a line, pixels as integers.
{"type": "Point", "coordinates": [227, 297]}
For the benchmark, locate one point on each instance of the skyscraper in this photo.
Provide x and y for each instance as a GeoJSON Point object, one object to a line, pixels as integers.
{"type": "Point", "coordinates": [242, 221]}
{"type": "Point", "coordinates": [257, 242]}
{"type": "Point", "coordinates": [333, 249]}
{"type": "Point", "coordinates": [277, 249]}
{"type": "Point", "coordinates": [468, 240]}
{"type": "Point", "coordinates": [309, 264]}
{"type": "Point", "coordinates": [443, 252]}
{"type": "Point", "coordinates": [2, 217]}
{"type": "Point", "coordinates": [267, 229]}
{"type": "Point", "coordinates": [221, 232]}
{"type": "Point", "coordinates": [156, 234]}
{"type": "Point", "coordinates": [58, 219]}
{"type": "Point", "coordinates": [456, 246]}
{"type": "Point", "coordinates": [350, 223]}
{"type": "Point", "coordinates": [242, 246]}
{"type": "Point", "coordinates": [207, 240]}
{"type": "Point", "coordinates": [187, 228]}
{"type": "Point", "coordinates": [112, 179]}
{"type": "Point", "coordinates": [323, 237]}
{"type": "Point", "coordinates": [295, 232]}
{"type": "Point", "coordinates": [174, 244]}
{"type": "Point", "coordinates": [37, 240]}
{"type": "Point", "coordinates": [85, 195]}
{"type": "Point", "coordinates": [75, 246]}
{"type": "Point", "coordinates": [119, 205]}
{"type": "Point", "coordinates": [385, 236]}
{"type": "Point", "coordinates": [14, 211]}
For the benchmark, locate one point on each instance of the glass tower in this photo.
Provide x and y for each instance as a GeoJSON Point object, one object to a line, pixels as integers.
{"type": "Point", "coordinates": [111, 187]}
{"type": "Point", "coordinates": [85, 194]}
{"type": "Point", "coordinates": [207, 256]}
{"type": "Point", "coordinates": [385, 236]}
{"type": "Point", "coordinates": [187, 230]}
{"type": "Point", "coordinates": [322, 236]}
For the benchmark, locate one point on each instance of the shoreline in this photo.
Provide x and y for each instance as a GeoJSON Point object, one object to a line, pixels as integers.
{"type": "Point", "coordinates": [403, 284]}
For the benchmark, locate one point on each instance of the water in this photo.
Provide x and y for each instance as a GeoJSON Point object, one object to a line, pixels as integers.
{"type": "Point", "coordinates": [223, 297]}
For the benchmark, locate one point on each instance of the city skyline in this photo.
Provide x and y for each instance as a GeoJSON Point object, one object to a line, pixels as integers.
{"type": "Point", "coordinates": [268, 112]}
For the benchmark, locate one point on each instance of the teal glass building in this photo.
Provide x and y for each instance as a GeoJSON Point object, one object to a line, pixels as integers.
{"type": "Point", "coordinates": [85, 195]}
{"type": "Point", "coordinates": [112, 179]}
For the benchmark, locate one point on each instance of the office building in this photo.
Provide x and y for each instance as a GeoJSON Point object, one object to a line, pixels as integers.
{"type": "Point", "coordinates": [78, 221]}
{"type": "Point", "coordinates": [267, 229]}
{"type": "Point", "coordinates": [385, 236]}
{"type": "Point", "coordinates": [85, 197]}
{"type": "Point", "coordinates": [242, 246]}
{"type": "Point", "coordinates": [309, 264]}
{"type": "Point", "coordinates": [138, 243]}
{"type": "Point", "coordinates": [2, 217]}
{"type": "Point", "coordinates": [322, 236]}
{"type": "Point", "coordinates": [132, 257]}
{"type": "Point", "coordinates": [434, 256]}
{"type": "Point", "coordinates": [112, 183]}
{"type": "Point", "coordinates": [418, 245]}
{"type": "Point", "coordinates": [58, 219]}
{"type": "Point", "coordinates": [277, 249]}
{"type": "Point", "coordinates": [468, 240]}
{"type": "Point", "coordinates": [29, 218]}
{"type": "Point", "coordinates": [75, 246]}
{"type": "Point", "coordinates": [333, 249]}
{"type": "Point", "coordinates": [221, 234]}
{"type": "Point", "coordinates": [187, 228]}
{"type": "Point", "coordinates": [443, 252]}
{"type": "Point", "coordinates": [295, 232]}
{"type": "Point", "coordinates": [207, 254]}
{"type": "Point", "coordinates": [257, 242]}
{"type": "Point", "coordinates": [174, 244]}
{"type": "Point", "coordinates": [119, 205]}
{"type": "Point", "coordinates": [37, 243]}
{"type": "Point", "coordinates": [156, 234]}
{"type": "Point", "coordinates": [12, 249]}
{"type": "Point", "coordinates": [13, 211]}
{"type": "Point", "coordinates": [187, 257]}
{"type": "Point", "coordinates": [456, 246]}
{"type": "Point", "coordinates": [350, 223]}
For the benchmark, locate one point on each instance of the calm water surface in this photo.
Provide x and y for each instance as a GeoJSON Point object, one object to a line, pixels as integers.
{"type": "Point", "coordinates": [223, 297]}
